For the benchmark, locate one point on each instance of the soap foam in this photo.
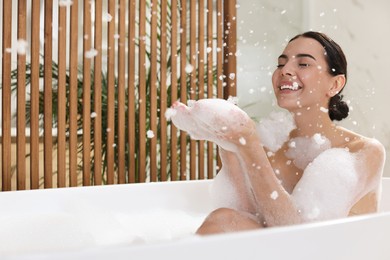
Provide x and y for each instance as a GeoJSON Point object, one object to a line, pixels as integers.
{"type": "Point", "coordinates": [80, 225]}
{"type": "Point", "coordinates": [328, 185]}
{"type": "Point", "coordinates": [210, 119]}
{"type": "Point", "coordinates": [275, 129]}
{"type": "Point", "coordinates": [303, 150]}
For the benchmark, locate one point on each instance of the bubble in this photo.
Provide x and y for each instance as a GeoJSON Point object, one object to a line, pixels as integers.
{"type": "Point", "coordinates": [65, 3]}
{"type": "Point", "coordinates": [21, 46]}
{"type": "Point", "coordinates": [149, 134]}
{"type": "Point", "coordinates": [91, 53]}
{"type": "Point", "coordinates": [107, 17]}
{"type": "Point", "coordinates": [189, 68]}
{"type": "Point", "coordinates": [242, 141]}
{"type": "Point", "coordinates": [323, 109]}
{"type": "Point", "coordinates": [274, 195]}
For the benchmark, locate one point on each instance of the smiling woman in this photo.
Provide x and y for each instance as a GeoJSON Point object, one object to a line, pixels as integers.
{"type": "Point", "coordinates": [339, 177]}
{"type": "Point", "coordinates": [364, 45]}
{"type": "Point", "coordinates": [305, 64]}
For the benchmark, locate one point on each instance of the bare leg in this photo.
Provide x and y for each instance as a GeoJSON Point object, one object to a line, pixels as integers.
{"type": "Point", "coordinates": [224, 220]}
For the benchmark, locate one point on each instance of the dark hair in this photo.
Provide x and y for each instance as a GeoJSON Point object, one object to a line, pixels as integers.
{"type": "Point", "coordinates": [337, 65]}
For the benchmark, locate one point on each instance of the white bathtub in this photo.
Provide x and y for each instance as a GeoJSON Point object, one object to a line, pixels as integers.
{"type": "Point", "coordinates": [95, 223]}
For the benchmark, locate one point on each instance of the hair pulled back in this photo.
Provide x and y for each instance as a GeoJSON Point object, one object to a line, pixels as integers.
{"type": "Point", "coordinates": [337, 65]}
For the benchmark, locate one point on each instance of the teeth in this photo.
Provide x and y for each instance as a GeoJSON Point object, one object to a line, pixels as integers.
{"type": "Point", "coordinates": [294, 86]}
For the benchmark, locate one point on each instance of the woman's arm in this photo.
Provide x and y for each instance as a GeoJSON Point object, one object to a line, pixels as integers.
{"type": "Point", "coordinates": [275, 203]}
{"type": "Point", "coordinates": [230, 187]}
{"type": "Point", "coordinates": [323, 192]}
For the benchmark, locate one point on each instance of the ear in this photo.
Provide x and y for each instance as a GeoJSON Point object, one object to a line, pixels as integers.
{"type": "Point", "coordinates": [337, 85]}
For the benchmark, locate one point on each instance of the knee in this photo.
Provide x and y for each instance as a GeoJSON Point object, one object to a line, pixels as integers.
{"type": "Point", "coordinates": [222, 215]}
{"type": "Point", "coordinates": [228, 220]}
{"type": "Point", "coordinates": [217, 221]}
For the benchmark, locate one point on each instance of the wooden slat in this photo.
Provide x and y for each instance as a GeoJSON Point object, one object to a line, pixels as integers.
{"type": "Point", "coordinates": [34, 100]}
{"type": "Point", "coordinates": [153, 91]}
{"type": "Point", "coordinates": [163, 91]}
{"type": "Point", "coordinates": [219, 49]}
{"type": "Point", "coordinates": [98, 94]}
{"type": "Point", "coordinates": [201, 85]}
{"type": "Point", "coordinates": [142, 93]}
{"type": "Point", "coordinates": [121, 92]}
{"type": "Point", "coordinates": [192, 76]}
{"type": "Point", "coordinates": [87, 94]}
{"type": "Point", "coordinates": [219, 60]}
{"type": "Point", "coordinates": [229, 49]}
{"type": "Point", "coordinates": [111, 94]}
{"type": "Point", "coordinates": [183, 85]}
{"type": "Point", "coordinates": [192, 51]}
{"type": "Point", "coordinates": [73, 71]}
{"type": "Point", "coordinates": [48, 86]}
{"type": "Point", "coordinates": [61, 117]}
{"type": "Point", "coordinates": [210, 83]}
{"type": "Point", "coordinates": [21, 114]}
{"type": "Point", "coordinates": [131, 94]}
{"type": "Point", "coordinates": [6, 97]}
{"type": "Point", "coordinates": [173, 144]}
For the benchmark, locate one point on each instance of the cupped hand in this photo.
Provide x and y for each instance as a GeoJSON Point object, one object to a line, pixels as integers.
{"type": "Point", "coordinates": [215, 120]}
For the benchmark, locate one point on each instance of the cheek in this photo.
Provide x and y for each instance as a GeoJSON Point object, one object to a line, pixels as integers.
{"type": "Point", "coordinates": [275, 77]}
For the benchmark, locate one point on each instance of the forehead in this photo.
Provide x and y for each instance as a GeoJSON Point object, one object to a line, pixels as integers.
{"type": "Point", "coordinates": [304, 45]}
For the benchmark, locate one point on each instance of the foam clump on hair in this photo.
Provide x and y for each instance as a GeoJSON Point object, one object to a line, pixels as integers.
{"type": "Point", "coordinates": [326, 188]}
{"type": "Point", "coordinates": [274, 130]}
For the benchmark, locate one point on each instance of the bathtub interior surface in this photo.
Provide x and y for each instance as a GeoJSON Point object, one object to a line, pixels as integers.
{"type": "Point", "coordinates": [163, 205]}
{"type": "Point", "coordinates": [357, 238]}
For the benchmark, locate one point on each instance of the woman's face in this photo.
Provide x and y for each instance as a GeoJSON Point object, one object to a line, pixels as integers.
{"type": "Point", "coordinates": [301, 79]}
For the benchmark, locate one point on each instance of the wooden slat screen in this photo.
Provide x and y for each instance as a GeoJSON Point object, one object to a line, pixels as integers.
{"type": "Point", "coordinates": [92, 89]}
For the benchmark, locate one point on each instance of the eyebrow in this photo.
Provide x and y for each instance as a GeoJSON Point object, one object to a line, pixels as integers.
{"type": "Point", "coordinates": [301, 55]}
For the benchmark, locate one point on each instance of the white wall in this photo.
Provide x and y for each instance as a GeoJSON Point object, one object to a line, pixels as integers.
{"type": "Point", "coordinates": [362, 29]}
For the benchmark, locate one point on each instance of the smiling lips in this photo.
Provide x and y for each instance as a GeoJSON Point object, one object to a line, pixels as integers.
{"type": "Point", "coordinates": [292, 87]}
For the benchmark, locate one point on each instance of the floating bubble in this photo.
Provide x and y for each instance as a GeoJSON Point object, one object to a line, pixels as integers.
{"type": "Point", "coordinates": [149, 134]}
{"type": "Point", "coordinates": [242, 141]}
{"type": "Point", "coordinates": [65, 3]}
{"type": "Point", "coordinates": [274, 195]}
{"type": "Point", "coordinates": [189, 68]}
{"type": "Point", "coordinates": [91, 53]}
{"type": "Point", "coordinates": [21, 46]}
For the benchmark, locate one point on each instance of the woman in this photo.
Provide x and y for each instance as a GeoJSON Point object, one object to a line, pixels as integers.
{"type": "Point", "coordinates": [274, 188]}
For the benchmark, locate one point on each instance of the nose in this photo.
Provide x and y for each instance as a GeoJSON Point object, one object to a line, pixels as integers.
{"type": "Point", "coordinates": [287, 69]}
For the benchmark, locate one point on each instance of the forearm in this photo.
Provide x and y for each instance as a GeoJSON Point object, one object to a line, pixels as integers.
{"type": "Point", "coordinates": [275, 203]}
{"type": "Point", "coordinates": [233, 172]}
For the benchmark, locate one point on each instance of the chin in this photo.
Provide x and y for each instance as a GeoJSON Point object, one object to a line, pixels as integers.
{"type": "Point", "coordinates": [287, 104]}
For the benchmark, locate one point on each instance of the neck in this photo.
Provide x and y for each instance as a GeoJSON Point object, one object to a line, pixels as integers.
{"type": "Point", "coordinates": [312, 121]}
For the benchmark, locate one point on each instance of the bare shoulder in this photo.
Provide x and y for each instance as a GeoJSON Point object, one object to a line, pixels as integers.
{"type": "Point", "coordinates": [356, 143]}
{"type": "Point", "coordinates": [368, 147]}
{"type": "Point", "coordinates": [370, 155]}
